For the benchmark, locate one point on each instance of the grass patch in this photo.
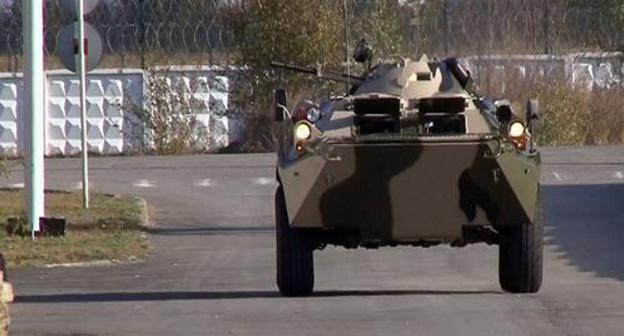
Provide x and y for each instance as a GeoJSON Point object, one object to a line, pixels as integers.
{"type": "Point", "coordinates": [110, 230]}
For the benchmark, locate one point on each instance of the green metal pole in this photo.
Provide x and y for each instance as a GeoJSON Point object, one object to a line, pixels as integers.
{"type": "Point", "coordinates": [34, 84]}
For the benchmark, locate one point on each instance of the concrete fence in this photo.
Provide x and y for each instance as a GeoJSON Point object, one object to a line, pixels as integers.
{"type": "Point", "coordinates": [591, 70]}
{"type": "Point", "coordinates": [112, 129]}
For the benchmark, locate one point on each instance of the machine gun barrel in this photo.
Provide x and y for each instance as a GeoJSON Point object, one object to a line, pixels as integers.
{"type": "Point", "coordinates": [342, 78]}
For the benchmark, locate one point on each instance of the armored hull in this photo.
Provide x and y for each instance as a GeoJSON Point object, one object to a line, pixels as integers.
{"type": "Point", "coordinates": [413, 190]}
{"type": "Point", "coordinates": [410, 157]}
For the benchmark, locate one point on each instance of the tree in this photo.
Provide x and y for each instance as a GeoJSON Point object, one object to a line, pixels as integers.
{"type": "Point", "coordinates": [308, 33]}
{"type": "Point", "coordinates": [595, 24]}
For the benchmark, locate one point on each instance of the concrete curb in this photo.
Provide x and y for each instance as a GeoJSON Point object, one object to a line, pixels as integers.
{"type": "Point", "coordinates": [7, 293]}
{"type": "Point", "coordinates": [6, 290]}
{"type": "Point", "coordinates": [6, 296]}
{"type": "Point", "coordinates": [144, 213]}
{"type": "Point", "coordinates": [4, 319]}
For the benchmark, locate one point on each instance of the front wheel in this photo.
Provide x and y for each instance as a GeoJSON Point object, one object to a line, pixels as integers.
{"type": "Point", "coordinates": [521, 257]}
{"type": "Point", "coordinates": [295, 260]}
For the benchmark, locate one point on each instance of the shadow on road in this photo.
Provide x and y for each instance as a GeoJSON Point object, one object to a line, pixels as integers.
{"type": "Point", "coordinates": [585, 223]}
{"type": "Point", "coordinates": [232, 295]}
{"type": "Point", "coordinates": [215, 230]}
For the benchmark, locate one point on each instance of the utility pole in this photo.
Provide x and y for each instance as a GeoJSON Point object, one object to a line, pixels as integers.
{"type": "Point", "coordinates": [34, 84]}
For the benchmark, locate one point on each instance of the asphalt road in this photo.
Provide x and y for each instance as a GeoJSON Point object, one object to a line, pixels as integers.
{"type": "Point", "coordinates": [212, 268]}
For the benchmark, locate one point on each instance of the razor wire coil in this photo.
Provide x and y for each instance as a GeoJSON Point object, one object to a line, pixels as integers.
{"type": "Point", "coordinates": [162, 32]}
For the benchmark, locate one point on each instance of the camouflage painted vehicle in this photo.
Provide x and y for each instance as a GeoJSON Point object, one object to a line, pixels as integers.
{"type": "Point", "coordinates": [411, 156]}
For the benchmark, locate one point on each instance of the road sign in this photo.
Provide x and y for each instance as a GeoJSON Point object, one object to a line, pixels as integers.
{"type": "Point", "coordinates": [71, 8]}
{"type": "Point", "coordinates": [79, 46]}
{"type": "Point", "coordinates": [67, 47]}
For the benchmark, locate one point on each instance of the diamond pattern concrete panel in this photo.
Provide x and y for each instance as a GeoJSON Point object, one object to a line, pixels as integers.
{"type": "Point", "coordinates": [112, 128]}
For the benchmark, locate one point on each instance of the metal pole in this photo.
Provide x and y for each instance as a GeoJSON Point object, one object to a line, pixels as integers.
{"type": "Point", "coordinates": [547, 49]}
{"type": "Point", "coordinates": [346, 33]}
{"type": "Point", "coordinates": [83, 103]}
{"type": "Point", "coordinates": [142, 48]}
{"type": "Point", "coordinates": [447, 27]}
{"type": "Point", "coordinates": [34, 83]}
{"type": "Point", "coordinates": [491, 25]}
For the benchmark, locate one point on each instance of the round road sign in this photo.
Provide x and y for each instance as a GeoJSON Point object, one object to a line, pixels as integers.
{"type": "Point", "coordinates": [67, 47]}
{"type": "Point", "coordinates": [70, 6]}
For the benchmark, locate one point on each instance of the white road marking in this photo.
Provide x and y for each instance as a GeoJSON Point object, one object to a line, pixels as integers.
{"type": "Point", "coordinates": [17, 185]}
{"type": "Point", "coordinates": [143, 184]}
{"type": "Point", "coordinates": [205, 183]}
{"type": "Point", "coordinates": [557, 176]}
{"type": "Point", "coordinates": [619, 175]}
{"type": "Point", "coordinates": [263, 181]}
{"type": "Point", "coordinates": [82, 264]}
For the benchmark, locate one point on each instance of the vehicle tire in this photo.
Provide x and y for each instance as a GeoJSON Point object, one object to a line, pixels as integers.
{"type": "Point", "coordinates": [521, 256]}
{"type": "Point", "coordinates": [295, 260]}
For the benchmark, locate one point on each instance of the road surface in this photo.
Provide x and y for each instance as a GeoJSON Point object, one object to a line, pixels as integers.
{"type": "Point", "coordinates": [212, 268]}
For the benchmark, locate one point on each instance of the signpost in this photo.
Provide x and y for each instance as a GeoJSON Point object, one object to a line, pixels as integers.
{"type": "Point", "coordinates": [71, 7]}
{"type": "Point", "coordinates": [80, 48]}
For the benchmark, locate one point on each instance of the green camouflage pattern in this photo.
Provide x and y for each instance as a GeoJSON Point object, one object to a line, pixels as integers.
{"type": "Point", "coordinates": [408, 185]}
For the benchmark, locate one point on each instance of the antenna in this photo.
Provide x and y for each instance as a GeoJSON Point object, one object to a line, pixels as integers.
{"type": "Point", "coordinates": [346, 31]}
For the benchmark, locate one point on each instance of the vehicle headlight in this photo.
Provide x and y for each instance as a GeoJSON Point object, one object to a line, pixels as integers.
{"type": "Point", "coordinates": [303, 131]}
{"type": "Point", "coordinates": [516, 129]}
{"type": "Point", "coordinates": [313, 114]}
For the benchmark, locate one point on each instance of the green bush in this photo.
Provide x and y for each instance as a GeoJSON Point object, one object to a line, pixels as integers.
{"type": "Point", "coordinates": [307, 33]}
{"type": "Point", "coordinates": [167, 121]}
{"type": "Point", "coordinates": [566, 116]}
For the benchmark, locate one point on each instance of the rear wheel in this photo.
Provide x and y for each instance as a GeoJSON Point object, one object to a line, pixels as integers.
{"type": "Point", "coordinates": [521, 256]}
{"type": "Point", "coordinates": [295, 260]}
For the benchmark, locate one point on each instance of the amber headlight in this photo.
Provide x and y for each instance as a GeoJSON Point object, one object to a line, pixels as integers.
{"type": "Point", "coordinates": [303, 131]}
{"type": "Point", "coordinates": [516, 129]}
{"type": "Point", "coordinates": [518, 134]}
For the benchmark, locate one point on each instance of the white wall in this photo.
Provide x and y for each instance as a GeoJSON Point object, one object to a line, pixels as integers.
{"type": "Point", "coordinates": [110, 130]}
{"type": "Point", "coordinates": [592, 70]}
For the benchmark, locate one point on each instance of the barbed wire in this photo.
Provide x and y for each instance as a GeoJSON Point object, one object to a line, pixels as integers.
{"type": "Point", "coordinates": [476, 27]}
{"type": "Point", "coordinates": [141, 33]}
{"type": "Point", "coordinates": [135, 32]}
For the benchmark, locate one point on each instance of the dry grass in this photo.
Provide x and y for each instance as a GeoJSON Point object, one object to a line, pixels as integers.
{"type": "Point", "coordinates": [570, 115]}
{"type": "Point", "coordinates": [109, 230]}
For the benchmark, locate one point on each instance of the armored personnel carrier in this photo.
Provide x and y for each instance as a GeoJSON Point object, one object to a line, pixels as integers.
{"type": "Point", "coordinates": [409, 156]}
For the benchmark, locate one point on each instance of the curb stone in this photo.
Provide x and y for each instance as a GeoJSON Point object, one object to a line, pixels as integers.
{"type": "Point", "coordinates": [4, 319]}
{"type": "Point", "coordinates": [7, 293]}
{"type": "Point", "coordinates": [144, 215]}
{"type": "Point", "coordinates": [6, 290]}
{"type": "Point", "coordinates": [6, 296]}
